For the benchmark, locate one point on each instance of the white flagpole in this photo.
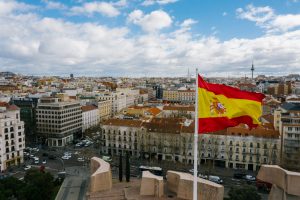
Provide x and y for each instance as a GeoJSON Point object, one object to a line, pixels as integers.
{"type": "Point", "coordinates": [195, 185]}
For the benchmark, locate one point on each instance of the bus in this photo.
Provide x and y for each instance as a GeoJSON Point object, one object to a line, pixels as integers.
{"type": "Point", "coordinates": [154, 170]}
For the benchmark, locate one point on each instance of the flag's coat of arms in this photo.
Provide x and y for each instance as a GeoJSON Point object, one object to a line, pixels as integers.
{"type": "Point", "coordinates": [217, 108]}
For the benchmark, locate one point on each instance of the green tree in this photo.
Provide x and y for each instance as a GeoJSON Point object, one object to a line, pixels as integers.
{"type": "Point", "coordinates": [39, 186]}
{"type": "Point", "coordinates": [10, 188]}
{"type": "Point", "coordinates": [120, 168]}
{"type": "Point", "coordinates": [127, 167]}
{"type": "Point", "coordinates": [243, 193]}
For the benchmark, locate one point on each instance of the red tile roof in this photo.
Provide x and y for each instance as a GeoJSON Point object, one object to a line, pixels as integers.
{"type": "Point", "coordinates": [88, 108]}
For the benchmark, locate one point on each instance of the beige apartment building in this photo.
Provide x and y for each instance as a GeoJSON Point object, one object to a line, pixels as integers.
{"type": "Point", "coordinates": [58, 121]}
{"type": "Point", "coordinates": [12, 137]}
{"type": "Point", "coordinates": [287, 119]}
{"type": "Point", "coordinates": [172, 139]}
{"type": "Point", "coordinates": [171, 95]}
{"type": "Point", "coordinates": [105, 109]}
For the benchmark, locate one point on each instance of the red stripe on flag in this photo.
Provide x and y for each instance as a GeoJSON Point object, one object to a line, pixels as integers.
{"type": "Point", "coordinates": [229, 92]}
{"type": "Point", "coordinates": [213, 124]}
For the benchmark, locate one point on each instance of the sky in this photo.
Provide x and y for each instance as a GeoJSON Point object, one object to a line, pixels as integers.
{"type": "Point", "coordinates": [137, 38]}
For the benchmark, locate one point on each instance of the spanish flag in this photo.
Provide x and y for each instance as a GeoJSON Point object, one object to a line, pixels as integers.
{"type": "Point", "coordinates": [221, 106]}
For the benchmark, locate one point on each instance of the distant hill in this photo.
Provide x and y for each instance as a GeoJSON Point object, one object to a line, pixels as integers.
{"type": "Point", "coordinates": [7, 74]}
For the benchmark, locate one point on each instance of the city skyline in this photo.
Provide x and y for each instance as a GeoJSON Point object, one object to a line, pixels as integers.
{"type": "Point", "coordinates": [150, 38]}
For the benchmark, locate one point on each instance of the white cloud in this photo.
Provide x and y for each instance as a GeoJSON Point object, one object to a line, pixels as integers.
{"type": "Point", "coordinates": [286, 22]}
{"type": "Point", "coordinates": [32, 44]}
{"type": "Point", "coordinates": [160, 2]}
{"type": "Point", "coordinates": [188, 22]}
{"type": "Point", "coordinates": [256, 14]}
{"type": "Point", "coordinates": [89, 8]}
{"type": "Point", "coordinates": [224, 14]}
{"type": "Point", "coordinates": [54, 5]}
{"type": "Point", "coordinates": [152, 22]}
{"type": "Point", "coordinates": [266, 18]}
{"type": "Point", "coordinates": [120, 3]}
{"type": "Point", "coordinates": [7, 7]}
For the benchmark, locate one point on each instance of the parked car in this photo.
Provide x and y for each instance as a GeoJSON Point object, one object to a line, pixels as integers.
{"type": "Point", "coordinates": [36, 160]}
{"type": "Point", "coordinates": [250, 178]}
{"type": "Point", "coordinates": [203, 176]}
{"type": "Point", "coordinates": [65, 157]}
{"type": "Point", "coordinates": [44, 162]}
{"type": "Point", "coordinates": [215, 179]}
{"type": "Point", "coordinates": [239, 175]}
{"type": "Point", "coordinates": [80, 159]}
{"type": "Point", "coordinates": [27, 167]}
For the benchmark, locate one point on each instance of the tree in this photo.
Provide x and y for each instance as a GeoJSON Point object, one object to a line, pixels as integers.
{"type": "Point", "coordinates": [127, 167]}
{"type": "Point", "coordinates": [10, 188]}
{"type": "Point", "coordinates": [120, 169]}
{"type": "Point", "coordinates": [243, 193]}
{"type": "Point", "coordinates": [39, 186]}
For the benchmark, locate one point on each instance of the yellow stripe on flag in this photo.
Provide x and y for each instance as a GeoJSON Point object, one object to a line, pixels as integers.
{"type": "Point", "coordinates": [211, 105]}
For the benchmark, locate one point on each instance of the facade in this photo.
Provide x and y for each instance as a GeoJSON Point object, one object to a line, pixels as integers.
{"type": "Point", "coordinates": [171, 95]}
{"type": "Point", "coordinates": [289, 127]}
{"type": "Point", "coordinates": [118, 100]}
{"type": "Point", "coordinates": [58, 122]}
{"type": "Point", "coordinates": [90, 117]}
{"type": "Point", "coordinates": [131, 95]}
{"type": "Point", "coordinates": [183, 96]}
{"type": "Point", "coordinates": [172, 139]}
{"type": "Point", "coordinates": [186, 96]}
{"type": "Point", "coordinates": [12, 137]}
{"type": "Point", "coordinates": [27, 113]}
{"type": "Point", "coordinates": [179, 111]}
{"type": "Point", "coordinates": [105, 109]}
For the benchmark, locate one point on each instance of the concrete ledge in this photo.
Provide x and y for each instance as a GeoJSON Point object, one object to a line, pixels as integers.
{"type": "Point", "coordinates": [182, 184]}
{"type": "Point", "coordinates": [101, 178]}
{"type": "Point", "coordinates": [286, 180]}
{"type": "Point", "coordinates": [152, 185]}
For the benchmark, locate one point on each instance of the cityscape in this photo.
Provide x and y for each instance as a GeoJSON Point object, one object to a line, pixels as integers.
{"type": "Point", "coordinates": [99, 100]}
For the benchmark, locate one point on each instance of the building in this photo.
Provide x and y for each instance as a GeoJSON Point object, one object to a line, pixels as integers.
{"type": "Point", "coordinates": [90, 117]}
{"type": "Point", "coordinates": [118, 100]}
{"type": "Point", "coordinates": [176, 95]}
{"type": "Point", "coordinates": [132, 95]}
{"type": "Point", "coordinates": [171, 95]}
{"type": "Point", "coordinates": [27, 113]}
{"type": "Point", "coordinates": [289, 126]}
{"type": "Point", "coordinates": [158, 91]}
{"type": "Point", "coordinates": [179, 111]}
{"type": "Point", "coordinates": [12, 137]}
{"type": "Point", "coordinates": [172, 139]}
{"type": "Point", "coordinates": [58, 122]}
{"type": "Point", "coordinates": [105, 109]}
{"type": "Point", "coordinates": [186, 96]}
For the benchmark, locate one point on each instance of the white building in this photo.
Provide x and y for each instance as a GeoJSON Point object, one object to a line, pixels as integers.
{"type": "Point", "coordinates": [12, 137]}
{"type": "Point", "coordinates": [90, 116]}
{"type": "Point", "coordinates": [58, 121]}
{"type": "Point", "coordinates": [118, 100]}
{"type": "Point", "coordinates": [132, 95]}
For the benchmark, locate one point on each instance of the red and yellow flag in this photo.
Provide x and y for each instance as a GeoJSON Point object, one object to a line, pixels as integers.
{"type": "Point", "coordinates": [221, 106]}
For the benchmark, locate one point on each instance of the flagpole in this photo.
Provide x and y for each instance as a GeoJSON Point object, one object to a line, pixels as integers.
{"type": "Point", "coordinates": [195, 183]}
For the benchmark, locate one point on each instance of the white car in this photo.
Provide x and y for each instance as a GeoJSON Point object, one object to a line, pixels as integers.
{"type": "Point", "coordinates": [203, 176]}
{"type": "Point", "coordinates": [80, 159]}
{"type": "Point", "coordinates": [44, 162]}
{"type": "Point", "coordinates": [27, 167]}
{"type": "Point", "coordinates": [250, 178]}
{"type": "Point", "coordinates": [65, 157]}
